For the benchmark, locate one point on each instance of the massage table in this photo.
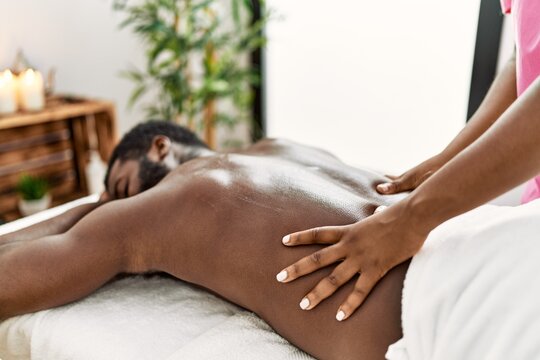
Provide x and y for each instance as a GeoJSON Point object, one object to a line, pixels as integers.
{"type": "Point", "coordinates": [472, 292]}
{"type": "Point", "coordinates": [140, 317]}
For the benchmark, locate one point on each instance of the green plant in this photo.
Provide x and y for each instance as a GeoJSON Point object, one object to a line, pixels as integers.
{"type": "Point", "coordinates": [197, 53]}
{"type": "Point", "coordinates": [31, 187]}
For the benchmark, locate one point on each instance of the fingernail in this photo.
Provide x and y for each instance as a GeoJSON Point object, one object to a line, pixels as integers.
{"type": "Point", "coordinates": [340, 315]}
{"type": "Point", "coordinates": [380, 208]}
{"type": "Point", "coordinates": [304, 304]}
{"type": "Point", "coordinates": [383, 187]}
{"type": "Point", "coordinates": [282, 276]}
{"type": "Point", "coordinates": [286, 239]}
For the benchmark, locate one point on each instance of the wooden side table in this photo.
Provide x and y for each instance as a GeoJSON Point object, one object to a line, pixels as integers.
{"type": "Point", "coordinates": [54, 144]}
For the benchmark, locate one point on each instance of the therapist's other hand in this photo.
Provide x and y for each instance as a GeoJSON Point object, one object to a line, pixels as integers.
{"type": "Point", "coordinates": [104, 197]}
{"type": "Point", "coordinates": [370, 247]}
{"type": "Point", "coordinates": [412, 178]}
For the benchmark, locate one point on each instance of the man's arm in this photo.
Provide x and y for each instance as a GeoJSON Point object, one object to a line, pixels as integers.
{"type": "Point", "coordinates": [500, 96]}
{"type": "Point", "coordinates": [55, 270]}
{"type": "Point", "coordinates": [54, 226]}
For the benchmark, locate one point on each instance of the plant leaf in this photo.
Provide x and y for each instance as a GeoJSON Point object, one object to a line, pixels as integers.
{"type": "Point", "coordinates": [136, 94]}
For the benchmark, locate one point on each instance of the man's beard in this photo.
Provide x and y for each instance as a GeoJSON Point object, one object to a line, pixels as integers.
{"type": "Point", "coordinates": [150, 173]}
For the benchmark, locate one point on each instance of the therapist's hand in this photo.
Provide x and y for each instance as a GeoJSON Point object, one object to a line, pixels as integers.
{"type": "Point", "coordinates": [370, 247]}
{"type": "Point", "coordinates": [412, 178]}
{"type": "Point", "coordinates": [104, 197]}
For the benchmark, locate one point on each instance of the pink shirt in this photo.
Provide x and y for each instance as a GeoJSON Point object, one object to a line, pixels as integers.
{"type": "Point", "coordinates": [527, 32]}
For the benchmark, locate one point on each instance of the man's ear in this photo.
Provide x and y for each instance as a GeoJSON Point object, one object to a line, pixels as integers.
{"type": "Point", "coordinates": [161, 146]}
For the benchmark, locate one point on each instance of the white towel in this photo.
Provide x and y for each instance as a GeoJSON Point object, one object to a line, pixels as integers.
{"type": "Point", "coordinates": [243, 336]}
{"type": "Point", "coordinates": [473, 291]}
{"type": "Point", "coordinates": [143, 318]}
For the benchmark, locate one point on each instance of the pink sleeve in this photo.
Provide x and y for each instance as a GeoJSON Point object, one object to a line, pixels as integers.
{"type": "Point", "coordinates": [506, 6]}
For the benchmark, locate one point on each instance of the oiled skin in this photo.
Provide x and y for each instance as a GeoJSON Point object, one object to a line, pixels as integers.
{"type": "Point", "coordinates": [218, 222]}
{"type": "Point", "coordinates": [244, 205]}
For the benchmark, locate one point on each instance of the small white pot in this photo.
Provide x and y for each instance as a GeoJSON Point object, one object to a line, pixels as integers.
{"type": "Point", "coordinates": [29, 207]}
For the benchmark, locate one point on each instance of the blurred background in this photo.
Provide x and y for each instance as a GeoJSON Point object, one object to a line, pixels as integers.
{"type": "Point", "coordinates": [381, 84]}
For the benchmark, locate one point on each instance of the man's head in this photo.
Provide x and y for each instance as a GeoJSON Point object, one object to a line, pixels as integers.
{"type": "Point", "coordinates": [146, 154]}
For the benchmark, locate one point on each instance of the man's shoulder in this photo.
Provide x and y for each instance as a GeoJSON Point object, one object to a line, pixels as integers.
{"type": "Point", "coordinates": [211, 170]}
{"type": "Point", "coordinates": [277, 146]}
{"type": "Point", "coordinates": [270, 145]}
{"type": "Point", "coordinates": [288, 149]}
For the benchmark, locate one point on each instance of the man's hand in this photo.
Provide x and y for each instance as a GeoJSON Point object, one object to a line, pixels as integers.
{"type": "Point", "coordinates": [370, 247]}
{"type": "Point", "coordinates": [412, 178]}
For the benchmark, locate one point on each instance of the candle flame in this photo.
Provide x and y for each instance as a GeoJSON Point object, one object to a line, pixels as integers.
{"type": "Point", "coordinates": [6, 76]}
{"type": "Point", "coordinates": [29, 76]}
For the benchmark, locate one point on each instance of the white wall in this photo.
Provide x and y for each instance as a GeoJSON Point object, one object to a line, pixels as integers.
{"type": "Point", "coordinates": [80, 38]}
{"type": "Point", "coordinates": [380, 83]}
{"type": "Point", "coordinates": [361, 78]}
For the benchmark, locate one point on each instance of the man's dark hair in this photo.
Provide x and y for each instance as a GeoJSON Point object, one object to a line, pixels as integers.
{"type": "Point", "coordinates": [137, 142]}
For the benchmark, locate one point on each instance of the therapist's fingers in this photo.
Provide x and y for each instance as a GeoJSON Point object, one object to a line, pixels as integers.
{"type": "Point", "coordinates": [380, 208]}
{"type": "Point", "coordinates": [403, 183]}
{"type": "Point", "coordinates": [311, 263]}
{"type": "Point", "coordinates": [318, 235]}
{"type": "Point", "coordinates": [366, 282]}
{"type": "Point", "coordinates": [328, 285]}
{"type": "Point", "coordinates": [104, 197]}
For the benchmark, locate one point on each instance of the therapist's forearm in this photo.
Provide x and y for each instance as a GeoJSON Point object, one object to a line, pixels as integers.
{"type": "Point", "coordinates": [498, 99]}
{"type": "Point", "coordinates": [503, 157]}
{"type": "Point", "coordinates": [500, 96]}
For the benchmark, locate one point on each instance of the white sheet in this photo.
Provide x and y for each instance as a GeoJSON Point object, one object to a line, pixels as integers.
{"type": "Point", "coordinates": [473, 291]}
{"type": "Point", "coordinates": [141, 318]}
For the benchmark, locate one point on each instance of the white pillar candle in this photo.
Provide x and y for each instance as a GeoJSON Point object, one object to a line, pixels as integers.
{"type": "Point", "coordinates": [31, 90]}
{"type": "Point", "coordinates": [8, 92]}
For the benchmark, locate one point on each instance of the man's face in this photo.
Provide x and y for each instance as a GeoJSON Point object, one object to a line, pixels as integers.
{"type": "Point", "coordinates": [124, 179]}
{"type": "Point", "coordinates": [130, 177]}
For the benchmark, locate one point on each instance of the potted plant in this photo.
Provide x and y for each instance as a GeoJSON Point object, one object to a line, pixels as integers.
{"type": "Point", "coordinates": [33, 193]}
{"type": "Point", "coordinates": [197, 71]}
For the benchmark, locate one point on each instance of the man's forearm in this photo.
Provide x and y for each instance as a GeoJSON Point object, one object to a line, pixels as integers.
{"type": "Point", "coordinates": [57, 225]}
{"type": "Point", "coordinates": [503, 157]}
{"type": "Point", "coordinates": [499, 98]}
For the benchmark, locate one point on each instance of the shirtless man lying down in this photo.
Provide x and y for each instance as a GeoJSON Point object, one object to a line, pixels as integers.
{"type": "Point", "coordinates": [215, 220]}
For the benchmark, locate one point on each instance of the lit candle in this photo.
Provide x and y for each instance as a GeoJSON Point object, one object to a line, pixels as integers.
{"type": "Point", "coordinates": [31, 90]}
{"type": "Point", "coordinates": [8, 92]}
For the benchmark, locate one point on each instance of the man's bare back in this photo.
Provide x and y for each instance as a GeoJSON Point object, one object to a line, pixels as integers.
{"type": "Point", "coordinates": [246, 204]}
{"type": "Point", "coordinates": [217, 221]}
